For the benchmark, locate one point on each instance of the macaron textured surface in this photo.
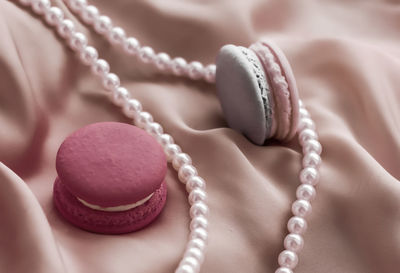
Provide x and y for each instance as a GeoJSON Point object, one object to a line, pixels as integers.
{"type": "Point", "coordinates": [110, 165]}
{"type": "Point", "coordinates": [257, 91]}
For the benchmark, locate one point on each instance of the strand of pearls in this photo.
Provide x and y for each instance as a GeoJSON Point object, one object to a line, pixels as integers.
{"type": "Point", "coordinates": [116, 35]}
{"type": "Point", "coordinates": [182, 163]}
{"type": "Point", "coordinates": [132, 108]}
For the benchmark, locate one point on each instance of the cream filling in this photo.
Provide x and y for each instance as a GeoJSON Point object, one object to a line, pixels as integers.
{"type": "Point", "coordinates": [116, 208]}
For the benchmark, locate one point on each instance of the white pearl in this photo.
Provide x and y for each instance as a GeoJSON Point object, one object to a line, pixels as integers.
{"type": "Point", "coordinates": [312, 159]}
{"type": "Point", "coordinates": [143, 119]}
{"type": "Point", "coordinates": [89, 55]}
{"type": "Point", "coordinates": [301, 103]}
{"type": "Point", "coordinates": [195, 253]}
{"type": "Point", "coordinates": [116, 35]}
{"type": "Point", "coordinates": [78, 41]}
{"type": "Point", "coordinates": [301, 208]}
{"type": "Point", "coordinates": [111, 81]}
{"type": "Point", "coordinates": [312, 145]}
{"type": "Point", "coordinates": [181, 159]}
{"type": "Point", "coordinates": [66, 28]}
{"type": "Point", "coordinates": [293, 242]}
{"type": "Point", "coordinates": [195, 70]}
{"type": "Point", "coordinates": [102, 24]}
{"type": "Point", "coordinates": [185, 172]}
{"type": "Point", "coordinates": [89, 14]}
{"type": "Point", "coordinates": [306, 192]}
{"type": "Point", "coordinates": [288, 259]}
{"type": "Point", "coordinates": [195, 182]}
{"type": "Point", "coordinates": [162, 61]}
{"type": "Point", "coordinates": [306, 135]}
{"type": "Point", "coordinates": [197, 243]}
{"type": "Point", "coordinates": [171, 150]}
{"type": "Point", "coordinates": [132, 108]}
{"type": "Point", "coordinates": [197, 194]}
{"type": "Point", "coordinates": [178, 66]}
{"type": "Point", "coordinates": [146, 54]}
{"type": "Point", "coordinates": [283, 270]}
{"type": "Point", "coordinates": [119, 96]}
{"type": "Point", "coordinates": [131, 46]}
{"type": "Point", "coordinates": [190, 261]}
{"type": "Point", "coordinates": [304, 113]}
{"type": "Point", "coordinates": [209, 73]}
{"type": "Point", "coordinates": [306, 123]}
{"type": "Point", "coordinates": [198, 233]}
{"type": "Point", "coordinates": [41, 6]}
{"type": "Point", "coordinates": [199, 208]}
{"type": "Point", "coordinates": [199, 222]}
{"type": "Point", "coordinates": [101, 68]}
{"type": "Point", "coordinates": [185, 269]}
{"type": "Point", "coordinates": [77, 5]}
{"type": "Point", "coordinates": [165, 139]}
{"type": "Point", "coordinates": [297, 225]}
{"type": "Point", "coordinates": [154, 129]}
{"type": "Point", "coordinates": [54, 16]}
{"type": "Point", "coordinates": [309, 175]}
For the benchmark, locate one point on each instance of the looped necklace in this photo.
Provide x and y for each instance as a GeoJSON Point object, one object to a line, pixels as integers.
{"type": "Point", "coordinates": [195, 249]}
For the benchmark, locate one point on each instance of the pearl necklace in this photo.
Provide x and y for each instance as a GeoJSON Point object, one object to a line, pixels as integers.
{"type": "Point", "coordinates": [181, 162]}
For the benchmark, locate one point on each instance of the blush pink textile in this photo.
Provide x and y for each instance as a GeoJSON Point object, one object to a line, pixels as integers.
{"type": "Point", "coordinates": [346, 59]}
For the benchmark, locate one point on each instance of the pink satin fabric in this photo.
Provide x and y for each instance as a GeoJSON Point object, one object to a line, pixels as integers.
{"type": "Point", "coordinates": [346, 59]}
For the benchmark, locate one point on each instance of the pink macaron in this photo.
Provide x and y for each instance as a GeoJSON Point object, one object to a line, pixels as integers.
{"type": "Point", "coordinates": [111, 178]}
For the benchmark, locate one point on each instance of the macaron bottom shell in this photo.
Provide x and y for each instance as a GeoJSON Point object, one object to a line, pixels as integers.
{"type": "Point", "coordinates": [108, 222]}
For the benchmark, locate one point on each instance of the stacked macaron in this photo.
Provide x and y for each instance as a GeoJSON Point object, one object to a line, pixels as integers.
{"type": "Point", "coordinates": [257, 91]}
{"type": "Point", "coordinates": [111, 178]}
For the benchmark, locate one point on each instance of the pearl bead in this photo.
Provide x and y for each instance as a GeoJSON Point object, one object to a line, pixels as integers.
{"type": "Point", "coordinates": [288, 259]}
{"type": "Point", "coordinates": [283, 270]}
{"type": "Point", "coordinates": [54, 16]}
{"type": "Point", "coordinates": [154, 129]}
{"type": "Point", "coordinates": [178, 66]}
{"type": "Point", "coordinates": [131, 46]}
{"type": "Point", "coordinates": [209, 73]}
{"type": "Point", "coordinates": [78, 41]}
{"type": "Point", "coordinates": [304, 113]}
{"type": "Point", "coordinates": [132, 108]}
{"type": "Point", "coordinates": [77, 5]}
{"type": "Point", "coordinates": [195, 182]}
{"type": "Point", "coordinates": [311, 159]}
{"type": "Point", "coordinates": [100, 68]}
{"type": "Point", "coordinates": [185, 172]}
{"type": "Point", "coordinates": [190, 261]}
{"type": "Point", "coordinates": [162, 61]}
{"type": "Point", "coordinates": [116, 35]}
{"type": "Point", "coordinates": [111, 81]}
{"type": "Point", "coordinates": [301, 208]}
{"type": "Point", "coordinates": [143, 119]}
{"type": "Point", "coordinates": [197, 194]}
{"type": "Point", "coordinates": [297, 225]}
{"type": "Point", "coordinates": [41, 6]}
{"type": "Point", "coordinates": [146, 54]}
{"type": "Point", "coordinates": [293, 242]}
{"type": "Point", "coordinates": [171, 150]}
{"type": "Point", "coordinates": [195, 70]}
{"type": "Point", "coordinates": [197, 243]}
{"type": "Point", "coordinates": [66, 28]}
{"type": "Point", "coordinates": [199, 222]}
{"type": "Point", "coordinates": [306, 123]}
{"type": "Point", "coordinates": [309, 175]}
{"type": "Point", "coordinates": [199, 208]}
{"type": "Point", "coordinates": [89, 55]}
{"type": "Point", "coordinates": [181, 159]}
{"type": "Point", "coordinates": [89, 14]}
{"type": "Point", "coordinates": [194, 253]}
{"type": "Point", "coordinates": [185, 269]}
{"type": "Point", "coordinates": [198, 233]}
{"type": "Point", "coordinates": [306, 135]}
{"type": "Point", "coordinates": [119, 96]}
{"type": "Point", "coordinates": [312, 145]}
{"type": "Point", "coordinates": [102, 24]}
{"type": "Point", "coordinates": [165, 139]}
{"type": "Point", "coordinates": [305, 192]}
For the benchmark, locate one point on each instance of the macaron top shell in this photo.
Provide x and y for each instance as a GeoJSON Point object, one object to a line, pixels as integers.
{"type": "Point", "coordinates": [111, 164]}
